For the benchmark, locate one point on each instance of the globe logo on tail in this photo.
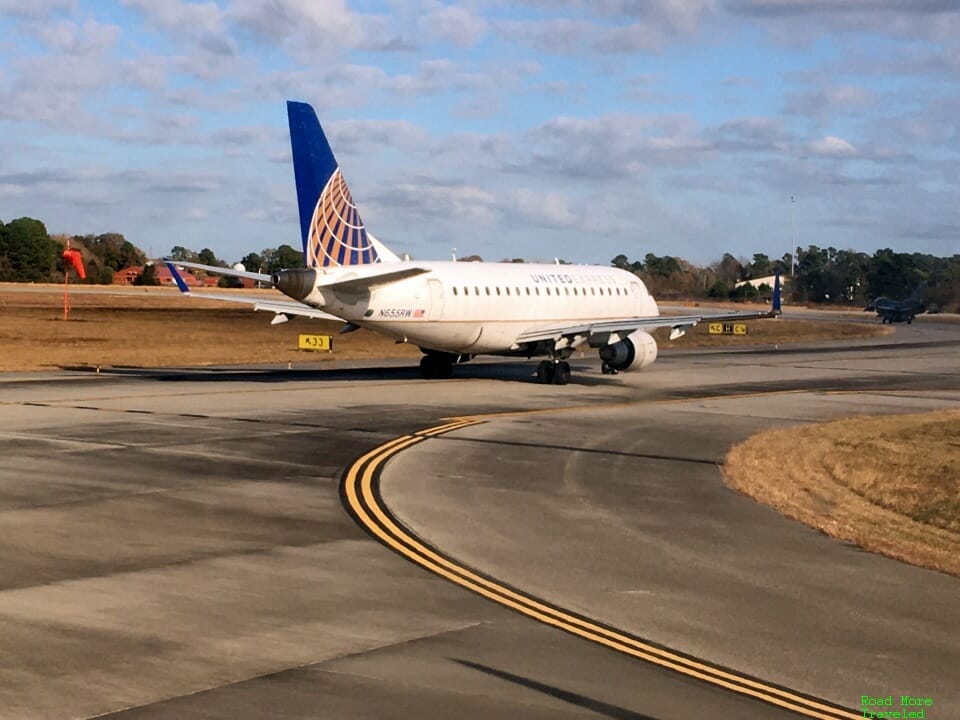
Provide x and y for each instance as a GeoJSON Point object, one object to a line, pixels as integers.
{"type": "Point", "coordinates": [337, 235]}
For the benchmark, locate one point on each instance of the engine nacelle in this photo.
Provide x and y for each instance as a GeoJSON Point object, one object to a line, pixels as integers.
{"type": "Point", "coordinates": [635, 352]}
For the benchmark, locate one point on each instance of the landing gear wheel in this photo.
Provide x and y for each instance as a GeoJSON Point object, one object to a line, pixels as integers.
{"type": "Point", "coordinates": [433, 368]}
{"type": "Point", "coordinates": [561, 373]}
{"type": "Point", "coordinates": [607, 370]}
{"type": "Point", "coordinates": [545, 372]}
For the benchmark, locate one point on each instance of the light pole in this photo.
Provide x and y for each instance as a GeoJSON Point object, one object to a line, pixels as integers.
{"type": "Point", "coordinates": [793, 235]}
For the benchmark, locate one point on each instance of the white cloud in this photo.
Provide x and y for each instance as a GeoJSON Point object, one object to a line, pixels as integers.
{"type": "Point", "coordinates": [555, 35]}
{"type": "Point", "coordinates": [69, 38]}
{"type": "Point", "coordinates": [674, 16]}
{"type": "Point", "coordinates": [429, 199]}
{"type": "Point", "coordinates": [637, 37]}
{"type": "Point", "coordinates": [541, 208]}
{"type": "Point", "coordinates": [457, 25]}
{"type": "Point", "coordinates": [807, 20]}
{"type": "Point", "coordinates": [829, 100]}
{"type": "Point", "coordinates": [201, 22]}
{"type": "Point", "coordinates": [313, 28]}
{"type": "Point", "coordinates": [278, 19]}
{"type": "Point", "coordinates": [35, 8]}
{"type": "Point", "coordinates": [831, 146]}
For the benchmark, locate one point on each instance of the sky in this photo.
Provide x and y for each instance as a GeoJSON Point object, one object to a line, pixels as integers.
{"type": "Point", "coordinates": [579, 129]}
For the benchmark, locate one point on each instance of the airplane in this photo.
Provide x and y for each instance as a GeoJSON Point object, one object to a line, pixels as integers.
{"type": "Point", "coordinates": [891, 311]}
{"type": "Point", "coordinates": [452, 310]}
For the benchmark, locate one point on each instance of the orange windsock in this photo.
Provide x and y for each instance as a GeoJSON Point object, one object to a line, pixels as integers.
{"type": "Point", "coordinates": [73, 257]}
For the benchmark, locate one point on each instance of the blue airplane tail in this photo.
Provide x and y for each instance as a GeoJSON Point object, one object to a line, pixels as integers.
{"type": "Point", "coordinates": [330, 226]}
{"type": "Point", "coordinates": [776, 294]}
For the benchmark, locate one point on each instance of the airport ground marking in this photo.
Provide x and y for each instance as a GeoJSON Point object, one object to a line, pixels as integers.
{"type": "Point", "coordinates": [361, 496]}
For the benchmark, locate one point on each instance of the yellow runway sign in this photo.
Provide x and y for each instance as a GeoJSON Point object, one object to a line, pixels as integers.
{"type": "Point", "coordinates": [316, 342]}
{"type": "Point", "coordinates": [728, 329]}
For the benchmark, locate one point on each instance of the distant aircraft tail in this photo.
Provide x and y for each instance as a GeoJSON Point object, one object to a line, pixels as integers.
{"type": "Point", "coordinates": [330, 226]}
{"type": "Point", "coordinates": [775, 307]}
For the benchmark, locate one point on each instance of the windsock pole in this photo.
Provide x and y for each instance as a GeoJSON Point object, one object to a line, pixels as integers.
{"type": "Point", "coordinates": [66, 292]}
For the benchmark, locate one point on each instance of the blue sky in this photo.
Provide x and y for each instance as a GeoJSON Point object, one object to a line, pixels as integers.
{"type": "Point", "coordinates": [533, 128]}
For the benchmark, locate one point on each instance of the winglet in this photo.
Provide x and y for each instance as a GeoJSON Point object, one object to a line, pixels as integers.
{"type": "Point", "coordinates": [177, 277]}
{"type": "Point", "coordinates": [775, 309]}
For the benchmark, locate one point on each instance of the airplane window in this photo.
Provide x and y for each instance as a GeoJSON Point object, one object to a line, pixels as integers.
{"type": "Point", "coordinates": [537, 290]}
{"type": "Point", "coordinates": [466, 290]}
{"type": "Point", "coordinates": [476, 290]}
{"type": "Point", "coordinates": [454, 290]}
{"type": "Point", "coordinates": [517, 289]}
{"type": "Point", "coordinates": [508, 290]}
{"type": "Point", "coordinates": [488, 290]}
{"type": "Point", "coordinates": [548, 290]}
{"type": "Point", "coordinates": [575, 291]}
{"type": "Point", "coordinates": [528, 291]}
{"type": "Point", "coordinates": [498, 290]}
{"type": "Point", "coordinates": [593, 291]}
{"type": "Point", "coordinates": [566, 291]}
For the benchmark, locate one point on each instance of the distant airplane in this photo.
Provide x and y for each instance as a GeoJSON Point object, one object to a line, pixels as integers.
{"type": "Point", "coordinates": [892, 311]}
{"type": "Point", "coordinates": [452, 310]}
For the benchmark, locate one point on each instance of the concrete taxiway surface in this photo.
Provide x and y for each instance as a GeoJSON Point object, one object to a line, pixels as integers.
{"type": "Point", "coordinates": [175, 544]}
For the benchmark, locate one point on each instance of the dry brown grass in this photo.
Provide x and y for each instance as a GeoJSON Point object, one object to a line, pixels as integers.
{"type": "Point", "coordinates": [156, 327]}
{"type": "Point", "coordinates": [890, 484]}
{"type": "Point", "coordinates": [773, 332]}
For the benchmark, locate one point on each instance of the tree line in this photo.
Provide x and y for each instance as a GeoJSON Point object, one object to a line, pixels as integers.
{"type": "Point", "coordinates": [29, 254]}
{"type": "Point", "coordinates": [816, 276]}
{"type": "Point", "coordinates": [820, 275]}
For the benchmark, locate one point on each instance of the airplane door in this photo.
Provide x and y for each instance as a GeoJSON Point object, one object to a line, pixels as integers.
{"type": "Point", "coordinates": [436, 299]}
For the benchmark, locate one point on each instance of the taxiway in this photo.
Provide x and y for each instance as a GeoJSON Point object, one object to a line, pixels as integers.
{"type": "Point", "coordinates": [176, 544]}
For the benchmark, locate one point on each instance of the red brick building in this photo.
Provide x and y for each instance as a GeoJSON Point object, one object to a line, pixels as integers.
{"type": "Point", "coordinates": [129, 275]}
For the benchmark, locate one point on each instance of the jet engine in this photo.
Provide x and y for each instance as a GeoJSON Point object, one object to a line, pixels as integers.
{"type": "Point", "coordinates": [635, 352]}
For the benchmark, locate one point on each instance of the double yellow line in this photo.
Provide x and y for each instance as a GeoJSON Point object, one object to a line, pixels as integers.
{"type": "Point", "coordinates": [360, 492]}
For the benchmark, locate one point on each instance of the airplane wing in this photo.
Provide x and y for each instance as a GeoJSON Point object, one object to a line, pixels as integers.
{"type": "Point", "coordinates": [568, 335]}
{"type": "Point", "coordinates": [280, 307]}
{"type": "Point", "coordinates": [365, 282]}
{"type": "Point", "coordinates": [624, 326]}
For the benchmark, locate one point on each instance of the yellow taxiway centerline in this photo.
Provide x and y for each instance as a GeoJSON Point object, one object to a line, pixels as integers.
{"type": "Point", "coordinates": [360, 494]}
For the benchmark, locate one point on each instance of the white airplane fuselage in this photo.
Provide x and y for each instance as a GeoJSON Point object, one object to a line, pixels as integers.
{"type": "Point", "coordinates": [481, 308]}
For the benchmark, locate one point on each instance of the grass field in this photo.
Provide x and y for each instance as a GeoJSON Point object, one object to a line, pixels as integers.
{"type": "Point", "coordinates": [890, 484]}
{"type": "Point", "coordinates": [157, 327]}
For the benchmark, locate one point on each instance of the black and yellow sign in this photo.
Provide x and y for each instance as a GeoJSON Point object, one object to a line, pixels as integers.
{"type": "Point", "coordinates": [728, 328]}
{"type": "Point", "coordinates": [316, 342]}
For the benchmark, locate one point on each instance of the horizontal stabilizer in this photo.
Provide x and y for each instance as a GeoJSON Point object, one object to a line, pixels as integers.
{"type": "Point", "coordinates": [360, 284]}
{"type": "Point", "coordinates": [229, 272]}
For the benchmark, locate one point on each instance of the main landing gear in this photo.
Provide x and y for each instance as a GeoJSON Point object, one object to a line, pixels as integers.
{"type": "Point", "coordinates": [553, 373]}
{"type": "Point", "coordinates": [435, 367]}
